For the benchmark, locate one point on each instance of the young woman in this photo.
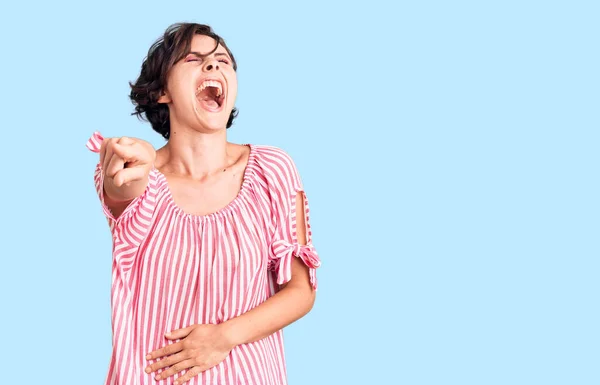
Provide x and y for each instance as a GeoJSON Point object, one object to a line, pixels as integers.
{"type": "Point", "coordinates": [212, 252]}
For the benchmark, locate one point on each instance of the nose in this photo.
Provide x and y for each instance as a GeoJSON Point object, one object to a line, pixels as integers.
{"type": "Point", "coordinates": [211, 65]}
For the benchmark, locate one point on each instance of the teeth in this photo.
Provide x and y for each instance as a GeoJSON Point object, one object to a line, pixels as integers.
{"type": "Point", "coordinates": [210, 83]}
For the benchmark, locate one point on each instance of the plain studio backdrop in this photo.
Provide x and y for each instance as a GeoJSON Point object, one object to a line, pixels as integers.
{"type": "Point", "coordinates": [449, 151]}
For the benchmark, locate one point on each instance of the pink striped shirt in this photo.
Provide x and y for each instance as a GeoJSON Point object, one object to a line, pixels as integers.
{"type": "Point", "coordinates": [172, 269]}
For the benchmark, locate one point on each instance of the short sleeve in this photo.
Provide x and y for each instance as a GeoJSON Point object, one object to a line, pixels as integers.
{"type": "Point", "coordinates": [285, 186]}
{"type": "Point", "coordinates": [132, 226]}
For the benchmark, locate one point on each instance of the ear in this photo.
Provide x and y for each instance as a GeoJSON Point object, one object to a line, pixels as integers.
{"type": "Point", "coordinates": [164, 98]}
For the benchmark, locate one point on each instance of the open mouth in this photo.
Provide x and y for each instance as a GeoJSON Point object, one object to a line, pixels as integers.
{"type": "Point", "coordinates": [210, 95]}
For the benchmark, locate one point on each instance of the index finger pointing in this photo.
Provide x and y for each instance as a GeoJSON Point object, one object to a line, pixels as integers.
{"type": "Point", "coordinates": [103, 150]}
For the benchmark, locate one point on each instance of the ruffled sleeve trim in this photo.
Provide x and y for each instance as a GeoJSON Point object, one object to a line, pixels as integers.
{"type": "Point", "coordinates": [95, 142]}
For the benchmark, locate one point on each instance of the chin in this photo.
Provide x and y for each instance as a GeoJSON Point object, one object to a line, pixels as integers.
{"type": "Point", "coordinates": [213, 121]}
{"type": "Point", "coordinates": [214, 124]}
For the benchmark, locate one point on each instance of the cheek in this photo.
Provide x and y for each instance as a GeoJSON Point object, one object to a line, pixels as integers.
{"type": "Point", "coordinates": [233, 94]}
{"type": "Point", "coordinates": [180, 92]}
{"type": "Point", "coordinates": [176, 82]}
{"type": "Point", "coordinates": [233, 87]}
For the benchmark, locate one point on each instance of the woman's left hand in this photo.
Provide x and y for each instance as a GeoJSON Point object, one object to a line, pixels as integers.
{"type": "Point", "coordinates": [201, 347]}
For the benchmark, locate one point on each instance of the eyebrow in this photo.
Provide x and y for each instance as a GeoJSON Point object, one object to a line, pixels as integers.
{"type": "Point", "coordinates": [204, 55]}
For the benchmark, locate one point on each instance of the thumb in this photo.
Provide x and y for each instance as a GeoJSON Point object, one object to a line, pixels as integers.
{"type": "Point", "coordinates": [179, 333]}
{"type": "Point", "coordinates": [127, 175]}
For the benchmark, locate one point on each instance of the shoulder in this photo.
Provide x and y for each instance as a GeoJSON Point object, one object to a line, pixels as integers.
{"type": "Point", "coordinates": [271, 153]}
{"type": "Point", "coordinates": [273, 158]}
{"type": "Point", "coordinates": [276, 165]}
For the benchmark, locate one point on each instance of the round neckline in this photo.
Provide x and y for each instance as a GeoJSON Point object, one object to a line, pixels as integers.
{"type": "Point", "coordinates": [222, 211]}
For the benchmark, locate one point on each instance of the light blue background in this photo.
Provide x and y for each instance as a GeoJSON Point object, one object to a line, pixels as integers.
{"type": "Point", "coordinates": [449, 150]}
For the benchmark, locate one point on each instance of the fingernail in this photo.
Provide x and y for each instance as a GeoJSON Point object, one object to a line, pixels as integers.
{"type": "Point", "coordinates": [148, 356]}
{"type": "Point", "coordinates": [148, 369]}
{"type": "Point", "coordinates": [168, 334]}
{"type": "Point", "coordinates": [157, 377]}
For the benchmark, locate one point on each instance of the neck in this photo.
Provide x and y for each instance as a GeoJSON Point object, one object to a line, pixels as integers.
{"type": "Point", "coordinates": [195, 154]}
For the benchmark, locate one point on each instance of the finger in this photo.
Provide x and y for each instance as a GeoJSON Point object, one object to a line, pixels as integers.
{"type": "Point", "coordinates": [193, 372]}
{"type": "Point", "coordinates": [125, 140]}
{"type": "Point", "coordinates": [115, 164]}
{"type": "Point", "coordinates": [128, 175]}
{"type": "Point", "coordinates": [129, 152]}
{"type": "Point", "coordinates": [168, 361]}
{"type": "Point", "coordinates": [107, 155]}
{"type": "Point", "coordinates": [179, 333]}
{"type": "Point", "coordinates": [165, 351]}
{"type": "Point", "coordinates": [134, 153]}
{"type": "Point", "coordinates": [103, 150]}
{"type": "Point", "coordinates": [175, 369]}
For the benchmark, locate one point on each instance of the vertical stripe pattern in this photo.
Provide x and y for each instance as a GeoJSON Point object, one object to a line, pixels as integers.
{"type": "Point", "coordinates": [172, 269]}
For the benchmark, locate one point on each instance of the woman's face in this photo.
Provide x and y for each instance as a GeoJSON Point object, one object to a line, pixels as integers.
{"type": "Point", "coordinates": [201, 91]}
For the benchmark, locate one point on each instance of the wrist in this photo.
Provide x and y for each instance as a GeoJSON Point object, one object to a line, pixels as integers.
{"type": "Point", "coordinates": [231, 333]}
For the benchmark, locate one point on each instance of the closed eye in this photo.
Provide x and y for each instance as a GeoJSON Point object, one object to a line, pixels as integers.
{"type": "Point", "coordinates": [193, 59]}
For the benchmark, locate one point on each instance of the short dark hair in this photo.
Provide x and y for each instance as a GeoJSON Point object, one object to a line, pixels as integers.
{"type": "Point", "coordinates": [173, 46]}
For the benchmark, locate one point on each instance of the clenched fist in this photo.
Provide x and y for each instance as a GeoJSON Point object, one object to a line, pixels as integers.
{"type": "Point", "coordinates": [126, 161]}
